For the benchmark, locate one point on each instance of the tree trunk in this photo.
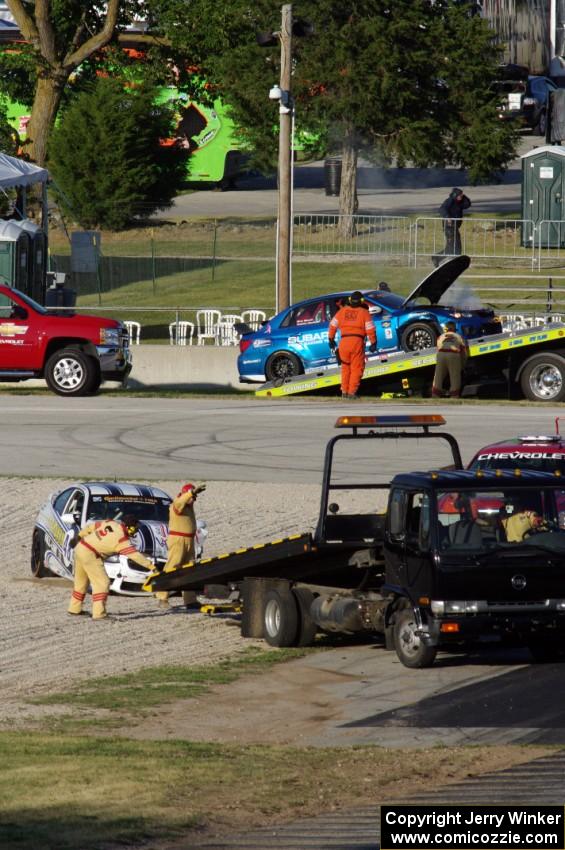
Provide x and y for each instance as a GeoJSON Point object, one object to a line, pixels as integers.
{"type": "Point", "coordinates": [348, 201]}
{"type": "Point", "coordinates": [48, 93]}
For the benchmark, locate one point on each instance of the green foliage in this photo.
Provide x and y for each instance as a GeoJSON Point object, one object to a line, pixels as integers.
{"type": "Point", "coordinates": [106, 157]}
{"type": "Point", "coordinates": [408, 80]}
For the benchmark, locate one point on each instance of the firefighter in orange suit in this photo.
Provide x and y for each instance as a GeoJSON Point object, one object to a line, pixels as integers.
{"type": "Point", "coordinates": [355, 325]}
{"type": "Point", "coordinates": [94, 543]}
{"type": "Point", "coordinates": [180, 542]}
{"type": "Point", "coordinates": [452, 353]}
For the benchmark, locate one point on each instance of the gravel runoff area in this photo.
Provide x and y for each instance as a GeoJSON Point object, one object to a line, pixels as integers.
{"type": "Point", "coordinates": [44, 649]}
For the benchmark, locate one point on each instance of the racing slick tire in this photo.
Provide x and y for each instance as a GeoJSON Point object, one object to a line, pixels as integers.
{"type": "Point", "coordinates": [70, 372]}
{"type": "Point", "coordinates": [280, 618]}
{"type": "Point", "coordinates": [307, 628]}
{"type": "Point", "coordinates": [38, 547]}
{"type": "Point", "coordinates": [282, 365]}
{"type": "Point", "coordinates": [418, 336]}
{"type": "Point", "coordinates": [543, 378]}
{"type": "Point", "coordinates": [410, 649]}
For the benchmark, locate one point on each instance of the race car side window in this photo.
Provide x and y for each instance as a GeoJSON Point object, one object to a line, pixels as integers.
{"type": "Point", "coordinates": [62, 499]}
{"type": "Point", "coordinates": [75, 503]}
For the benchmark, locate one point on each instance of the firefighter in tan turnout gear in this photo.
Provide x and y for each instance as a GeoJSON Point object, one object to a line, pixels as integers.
{"type": "Point", "coordinates": [452, 353]}
{"type": "Point", "coordinates": [182, 531]}
{"type": "Point", "coordinates": [94, 543]}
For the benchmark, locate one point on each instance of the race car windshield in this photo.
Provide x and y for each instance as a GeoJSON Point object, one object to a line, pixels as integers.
{"type": "Point", "coordinates": [149, 509]}
{"type": "Point", "coordinates": [506, 520]}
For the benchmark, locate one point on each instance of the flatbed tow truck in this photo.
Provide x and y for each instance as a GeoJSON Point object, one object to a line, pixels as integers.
{"type": "Point", "coordinates": [435, 570]}
{"type": "Point", "coordinates": [529, 364]}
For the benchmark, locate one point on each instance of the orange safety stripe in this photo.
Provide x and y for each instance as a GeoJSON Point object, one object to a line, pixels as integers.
{"type": "Point", "coordinates": [92, 549]}
{"type": "Point", "coordinates": [78, 595]}
{"type": "Point", "coordinates": [127, 550]}
{"type": "Point", "coordinates": [180, 534]}
{"type": "Point", "coordinates": [99, 597]}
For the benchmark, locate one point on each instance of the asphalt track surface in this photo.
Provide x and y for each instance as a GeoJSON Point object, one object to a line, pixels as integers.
{"type": "Point", "coordinates": [247, 439]}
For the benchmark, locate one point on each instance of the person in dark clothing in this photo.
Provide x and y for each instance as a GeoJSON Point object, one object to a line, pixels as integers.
{"type": "Point", "coordinates": [452, 213]}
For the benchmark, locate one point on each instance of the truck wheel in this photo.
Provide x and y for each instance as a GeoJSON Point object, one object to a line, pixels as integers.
{"type": "Point", "coordinates": [38, 555]}
{"type": "Point", "coordinates": [544, 650]}
{"type": "Point", "coordinates": [543, 378]}
{"type": "Point", "coordinates": [418, 336]}
{"type": "Point", "coordinates": [410, 649]}
{"type": "Point", "coordinates": [71, 372]}
{"type": "Point", "coordinates": [280, 618]}
{"type": "Point", "coordinates": [307, 628]}
{"type": "Point", "coordinates": [283, 365]}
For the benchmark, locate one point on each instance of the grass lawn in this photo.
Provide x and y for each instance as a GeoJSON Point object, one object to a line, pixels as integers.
{"type": "Point", "coordinates": [80, 787]}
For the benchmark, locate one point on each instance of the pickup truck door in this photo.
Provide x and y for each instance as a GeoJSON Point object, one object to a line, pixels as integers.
{"type": "Point", "coordinates": [19, 338]}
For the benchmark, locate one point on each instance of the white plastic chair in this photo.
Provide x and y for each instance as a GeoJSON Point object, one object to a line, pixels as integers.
{"type": "Point", "coordinates": [181, 333]}
{"type": "Point", "coordinates": [207, 325]}
{"type": "Point", "coordinates": [134, 331]}
{"type": "Point", "coordinates": [227, 332]}
{"type": "Point", "coordinates": [253, 318]}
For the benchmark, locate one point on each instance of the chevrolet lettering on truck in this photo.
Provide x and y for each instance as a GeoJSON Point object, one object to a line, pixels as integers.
{"type": "Point", "coordinates": [72, 352]}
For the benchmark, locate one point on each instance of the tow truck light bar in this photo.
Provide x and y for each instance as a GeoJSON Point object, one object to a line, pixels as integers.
{"type": "Point", "coordinates": [540, 438]}
{"type": "Point", "coordinates": [422, 420]}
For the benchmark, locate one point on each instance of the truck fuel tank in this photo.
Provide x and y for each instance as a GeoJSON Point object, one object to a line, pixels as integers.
{"type": "Point", "coordinates": [337, 613]}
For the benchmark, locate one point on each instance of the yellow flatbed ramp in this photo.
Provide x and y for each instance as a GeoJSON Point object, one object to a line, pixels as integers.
{"type": "Point", "coordinates": [403, 366]}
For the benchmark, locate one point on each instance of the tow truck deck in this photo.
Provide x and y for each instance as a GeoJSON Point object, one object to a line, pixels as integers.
{"type": "Point", "coordinates": [403, 372]}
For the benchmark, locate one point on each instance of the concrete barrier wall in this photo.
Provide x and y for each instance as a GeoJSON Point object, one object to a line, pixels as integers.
{"type": "Point", "coordinates": [185, 367]}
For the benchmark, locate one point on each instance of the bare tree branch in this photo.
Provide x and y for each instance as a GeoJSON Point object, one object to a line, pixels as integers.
{"type": "Point", "coordinates": [97, 41]}
{"type": "Point", "coordinates": [24, 21]}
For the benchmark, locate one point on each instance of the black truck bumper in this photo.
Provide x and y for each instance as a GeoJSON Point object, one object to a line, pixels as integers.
{"type": "Point", "coordinates": [520, 627]}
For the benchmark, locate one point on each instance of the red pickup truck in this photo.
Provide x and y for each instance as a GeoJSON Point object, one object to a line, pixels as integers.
{"type": "Point", "coordinates": [72, 352]}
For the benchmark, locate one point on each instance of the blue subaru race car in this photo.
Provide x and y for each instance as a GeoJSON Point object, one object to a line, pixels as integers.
{"type": "Point", "coordinates": [296, 340]}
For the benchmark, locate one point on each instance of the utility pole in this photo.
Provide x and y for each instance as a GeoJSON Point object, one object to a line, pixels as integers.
{"type": "Point", "coordinates": [285, 171]}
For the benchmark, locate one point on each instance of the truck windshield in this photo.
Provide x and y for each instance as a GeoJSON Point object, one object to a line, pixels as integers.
{"type": "Point", "coordinates": [478, 521]}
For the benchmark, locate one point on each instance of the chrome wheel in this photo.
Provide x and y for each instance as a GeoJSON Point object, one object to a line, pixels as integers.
{"type": "Point", "coordinates": [68, 374]}
{"type": "Point", "coordinates": [546, 382]}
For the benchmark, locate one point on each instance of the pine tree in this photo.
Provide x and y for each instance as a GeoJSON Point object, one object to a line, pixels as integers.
{"type": "Point", "coordinates": [106, 156]}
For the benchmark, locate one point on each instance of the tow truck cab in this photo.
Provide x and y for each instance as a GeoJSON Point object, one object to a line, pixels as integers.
{"type": "Point", "coordinates": [475, 557]}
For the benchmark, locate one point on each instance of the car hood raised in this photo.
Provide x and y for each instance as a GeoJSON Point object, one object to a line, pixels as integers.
{"type": "Point", "coordinates": [437, 282]}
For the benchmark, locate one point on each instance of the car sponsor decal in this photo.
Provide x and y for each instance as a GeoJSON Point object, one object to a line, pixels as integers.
{"type": "Point", "coordinates": [318, 336]}
{"type": "Point", "coordinates": [521, 455]}
{"type": "Point", "coordinates": [10, 329]}
{"type": "Point", "coordinates": [262, 343]}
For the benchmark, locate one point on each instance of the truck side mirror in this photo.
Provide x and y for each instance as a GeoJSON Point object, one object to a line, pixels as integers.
{"type": "Point", "coordinates": [19, 312]}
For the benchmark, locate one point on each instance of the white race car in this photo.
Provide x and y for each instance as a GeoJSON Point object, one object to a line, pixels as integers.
{"type": "Point", "coordinates": [66, 511]}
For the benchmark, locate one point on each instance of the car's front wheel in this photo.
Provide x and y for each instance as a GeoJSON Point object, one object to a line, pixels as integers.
{"type": "Point", "coordinates": [71, 372]}
{"type": "Point", "coordinates": [283, 365]}
{"type": "Point", "coordinates": [418, 336]}
{"type": "Point", "coordinates": [38, 555]}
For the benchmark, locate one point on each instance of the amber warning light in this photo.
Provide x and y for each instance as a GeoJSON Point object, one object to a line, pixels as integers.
{"type": "Point", "coordinates": [415, 421]}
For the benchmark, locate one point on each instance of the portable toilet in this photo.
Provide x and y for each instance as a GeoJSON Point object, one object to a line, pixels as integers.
{"type": "Point", "coordinates": [37, 268]}
{"type": "Point", "coordinates": [16, 256]}
{"type": "Point", "coordinates": [543, 197]}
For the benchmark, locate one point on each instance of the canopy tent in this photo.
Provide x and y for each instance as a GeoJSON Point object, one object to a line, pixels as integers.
{"type": "Point", "coordinates": [18, 172]}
